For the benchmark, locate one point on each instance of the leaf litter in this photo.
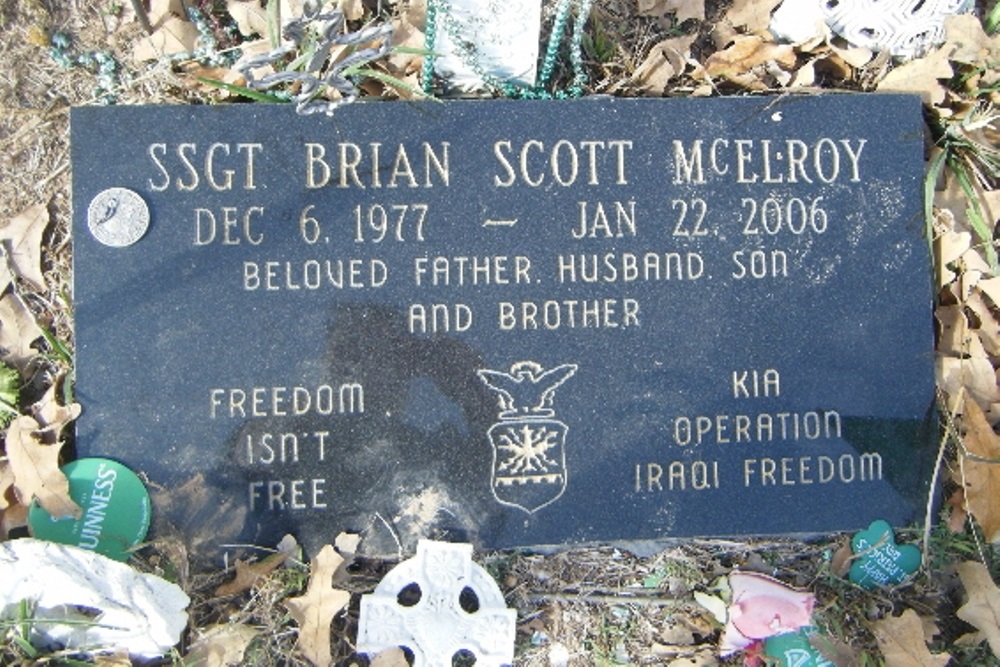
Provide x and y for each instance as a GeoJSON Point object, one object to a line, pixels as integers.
{"type": "Point", "coordinates": [591, 603]}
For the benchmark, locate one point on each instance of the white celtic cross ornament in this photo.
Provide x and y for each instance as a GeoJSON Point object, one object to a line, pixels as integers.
{"type": "Point", "coordinates": [439, 604]}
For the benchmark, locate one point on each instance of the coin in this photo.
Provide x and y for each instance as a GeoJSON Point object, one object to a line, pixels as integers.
{"type": "Point", "coordinates": [118, 217]}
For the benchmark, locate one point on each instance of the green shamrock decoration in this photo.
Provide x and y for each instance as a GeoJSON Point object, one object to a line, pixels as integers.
{"type": "Point", "coordinates": [879, 561]}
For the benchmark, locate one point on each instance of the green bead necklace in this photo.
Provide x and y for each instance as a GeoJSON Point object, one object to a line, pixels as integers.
{"type": "Point", "coordinates": [438, 18]}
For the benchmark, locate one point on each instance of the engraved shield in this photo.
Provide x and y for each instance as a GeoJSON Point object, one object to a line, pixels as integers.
{"type": "Point", "coordinates": [529, 462]}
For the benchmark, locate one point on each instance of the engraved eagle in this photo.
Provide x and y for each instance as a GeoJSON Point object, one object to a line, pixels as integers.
{"type": "Point", "coordinates": [528, 389]}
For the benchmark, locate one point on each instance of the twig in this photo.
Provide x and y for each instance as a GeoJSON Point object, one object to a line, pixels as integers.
{"type": "Point", "coordinates": [938, 462]}
{"type": "Point", "coordinates": [601, 598]}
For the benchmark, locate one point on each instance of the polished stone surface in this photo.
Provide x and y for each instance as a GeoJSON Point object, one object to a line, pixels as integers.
{"type": "Point", "coordinates": [512, 323]}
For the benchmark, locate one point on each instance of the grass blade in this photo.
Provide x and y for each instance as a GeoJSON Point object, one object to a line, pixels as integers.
{"type": "Point", "coordinates": [243, 91]}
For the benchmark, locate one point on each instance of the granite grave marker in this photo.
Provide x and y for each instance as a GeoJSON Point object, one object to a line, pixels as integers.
{"type": "Point", "coordinates": [515, 323]}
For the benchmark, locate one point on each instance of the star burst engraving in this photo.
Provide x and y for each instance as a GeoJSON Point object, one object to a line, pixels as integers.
{"type": "Point", "coordinates": [526, 447]}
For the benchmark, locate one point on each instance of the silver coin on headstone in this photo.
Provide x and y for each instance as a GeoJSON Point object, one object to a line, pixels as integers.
{"type": "Point", "coordinates": [118, 217]}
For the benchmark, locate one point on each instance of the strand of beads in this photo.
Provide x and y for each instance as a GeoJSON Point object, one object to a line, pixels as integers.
{"type": "Point", "coordinates": [430, 35]}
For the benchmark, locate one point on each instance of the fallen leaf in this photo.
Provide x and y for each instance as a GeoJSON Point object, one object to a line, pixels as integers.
{"type": "Point", "coordinates": [22, 239]}
{"type": "Point", "coordinates": [981, 478]}
{"type": "Point", "coordinates": [975, 375]}
{"type": "Point", "coordinates": [353, 9]}
{"type": "Point", "coordinates": [173, 36]}
{"type": "Point", "coordinates": [220, 646]}
{"type": "Point", "coordinates": [746, 53]}
{"type": "Point", "coordinates": [250, 17]}
{"type": "Point", "coordinates": [982, 611]}
{"type": "Point", "coordinates": [248, 574]}
{"type": "Point", "coordinates": [971, 44]}
{"type": "Point", "coordinates": [315, 610]}
{"type": "Point", "coordinates": [15, 516]}
{"type": "Point", "coordinates": [18, 331]}
{"type": "Point", "coordinates": [840, 564]}
{"type": "Point", "coordinates": [6, 483]}
{"type": "Point", "coordinates": [957, 338]}
{"type": "Point", "coordinates": [407, 32]}
{"type": "Point", "coordinates": [713, 604]}
{"type": "Point", "coordinates": [36, 470]}
{"type": "Point", "coordinates": [51, 416]}
{"type": "Point", "coordinates": [958, 515]}
{"type": "Point", "coordinates": [6, 275]}
{"type": "Point", "coordinates": [901, 640]}
{"type": "Point", "coordinates": [666, 60]}
{"type": "Point", "coordinates": [684, 9]}
{"type": "Point", "coordinates": [836, 651]}
{"type": "Point", "coordinates": [754, 15]}
{"type": "Point", "coordinates": [954, 199]}
{"type": "Point", "coordinates": [346, 545]}
{"type": "Point", "coordinates": [921, 76]}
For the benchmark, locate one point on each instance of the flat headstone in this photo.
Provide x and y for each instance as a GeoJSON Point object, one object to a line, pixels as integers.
{"type": "Point", "coordinates": [512, 323]}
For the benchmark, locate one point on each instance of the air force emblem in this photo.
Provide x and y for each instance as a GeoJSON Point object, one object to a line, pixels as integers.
{"type": "Point", "coordinates": [529, 458]}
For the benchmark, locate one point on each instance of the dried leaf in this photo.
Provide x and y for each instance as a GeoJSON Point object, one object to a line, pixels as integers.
{"type": "Point", "coordinates": [975, 375]}
{"type": "Point", "coordinates": [901, 640]}
{"type": "Point", "coordinates": [982, 610]}
{"type": "Point", "coordinates": [840, 564]}
{"type": "Point", "coordinates": [970, 43]}
{"type": "Point", "coordinates": [6, 483]}
{"type": "Point", "coordinates": [665, 61]}
{"type": "Point", "coordinates": [173, 36]}
{"type": "Point", "coordinates": [220, 646]}
{"type": "Point", "coordinates": [18, 331]}
{"type": "Point", "coordinates": [22, 238]}
{"type": "Point", "coordinates": [51, 416]}
{"type": "Point", "coordinates": [315, 610]}
{"type": "Point", "coordinates": [248, 574]}
{"type": "Point", "coordinates": [36, 470]}
{"type": "Point", "coordinates": [15, 516]}
{"type": "Point", "coordinates": [991, 288]}
{"type": "Point", "coordinates": [956, 336]}
{"type": "Point", "coordinates": [958, 515]}
{"type": "Point", "coordinates": [353, 9]}
{"type": "Point", "coordinates": [921, 76]}
{"type": "Point", "coordinates": [754, 15]}
{"type": "Point", "coordinates": [6, 275]}
{"type": "Point", "coordinates": [715, 605]}
{"type": "Point", "coordinates": [684, 9]}
{"type": "Point", "coordinates": [982, 478]}
{"type": "Point", "coordinates": [746, 53]}
{"type": "Point", "coordinates": [954, 199]}
{"type": "Point", "coordinates": [836, 651]}
{"type": "Point", "coordinates": [407, 32]}
{"type": "Point", "coordinates": [250, 17]}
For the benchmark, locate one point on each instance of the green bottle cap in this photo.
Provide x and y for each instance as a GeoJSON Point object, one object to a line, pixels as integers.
{"type": "Point", "coordinates": [115, 510]}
